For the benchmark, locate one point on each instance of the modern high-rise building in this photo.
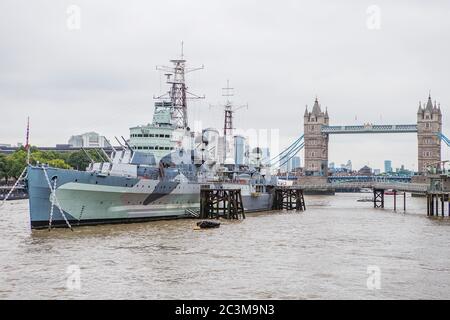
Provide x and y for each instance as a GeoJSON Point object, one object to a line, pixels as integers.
{"type": "Point", "coordinates": [294, 163]}
{"type": "Point", "coordinates": [239, 150]}
{"type": "Point", "coordinates": [265, 154]}
{"type": "Point", "coordinates": [291, 165]}
{"type": "Point", "coordinates": [88, 140]}
{"type": "Point", "coordinates": [387, 166]}
{"type": "Point", "coordinates": [348, 167]}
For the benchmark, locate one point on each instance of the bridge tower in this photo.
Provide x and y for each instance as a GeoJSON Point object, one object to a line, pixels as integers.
{"type": "Point", "coordinates": [316, 143]}
{"type": "Point", "coordinates": [429, 123]}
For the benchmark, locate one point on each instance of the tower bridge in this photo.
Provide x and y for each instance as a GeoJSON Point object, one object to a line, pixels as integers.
{"type": "Point", "coordinates": [317, 130]}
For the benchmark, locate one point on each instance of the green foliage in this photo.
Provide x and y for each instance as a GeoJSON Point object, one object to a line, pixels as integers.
{"type": "Point", "coordinates": [95, 155]}
{"type": "Point", "coordinates": [78, 160]}
{"type": "Point", "coordinates": [4, 167]}
{"type": "Point", "coordinates": [58, 163]}
{"type": "Point", "coordinates": [16, 163]}
{"type": "Point", "coordinates": [11, 166]}
{"type": "Point", "coordinates": [52, 158]}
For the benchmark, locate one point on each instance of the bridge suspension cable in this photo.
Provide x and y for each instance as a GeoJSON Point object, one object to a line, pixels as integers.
{"type": "Point", "coordinates": [289, 155]}
{"type": "Point", "coordinates": [293, 154]}
{"type": "Point", "coordinates": [444, 138]}
{"type": "Point", "coordinates": [286, 152]}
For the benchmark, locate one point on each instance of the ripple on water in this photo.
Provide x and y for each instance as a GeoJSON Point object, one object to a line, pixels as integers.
{"type": "Point", "coordinates": [322, 253]}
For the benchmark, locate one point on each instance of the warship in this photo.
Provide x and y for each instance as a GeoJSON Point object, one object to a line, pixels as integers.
{"type": "Point", "coordinates": [135, 183]}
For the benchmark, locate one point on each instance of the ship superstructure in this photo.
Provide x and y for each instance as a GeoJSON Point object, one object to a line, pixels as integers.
{"type": "Point", "coordinates": [169, 129]}
{"type": "Point", "coordinates": [155, 138]}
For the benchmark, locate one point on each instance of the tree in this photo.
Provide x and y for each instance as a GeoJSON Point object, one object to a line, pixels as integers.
{"type": "Point", "coordinates": [58, 163]}
{"type": "Point", "coordinates": [16, 163]}
{"type": "Point", "coordinates": [53, 159]}
{"type": "Point", "coordinates": [4, 168]}
{"type": "Point", "coordinates": [78, 160]}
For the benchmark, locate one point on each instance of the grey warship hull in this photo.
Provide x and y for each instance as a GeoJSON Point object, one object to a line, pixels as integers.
{"type": "Point", "coordinates": [90, 198]}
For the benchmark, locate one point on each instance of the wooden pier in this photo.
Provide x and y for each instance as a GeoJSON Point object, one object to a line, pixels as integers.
{"type": "Point", "coordinates": [437, 202]}
{"type": "Point", "coordinates": [289, 199]}
{"type": "Point", "coordinates": [379, 202]}
{"type": "Point", "coordinates": [225, 203]}
{"type": "Point", "coordinates": [378, 198]}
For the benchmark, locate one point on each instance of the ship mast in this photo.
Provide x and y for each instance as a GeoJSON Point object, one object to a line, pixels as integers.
{"type": "Point", "coordinates": [178, 93]}
{"type": "Point", "coordinates": [229, 109]}
{"type": "Point", "coordinates": [27, 143]}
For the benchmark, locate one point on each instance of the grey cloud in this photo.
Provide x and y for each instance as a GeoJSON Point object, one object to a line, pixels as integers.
{"type": "Point", "coordinates": [277, 54]}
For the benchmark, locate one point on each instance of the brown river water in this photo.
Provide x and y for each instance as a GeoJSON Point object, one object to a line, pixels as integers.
{"type": "Point", "coordinates": [327, 252]}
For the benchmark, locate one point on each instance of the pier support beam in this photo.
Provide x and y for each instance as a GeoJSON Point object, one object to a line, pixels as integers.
{"type": "Point", "coordinates": [289, 199]}
{"type": "Point", "coordinates": [437, 205]}
{"type": "Point", "coordinates": [226, 203]}
{"type": "Point", "coordinates": [433, 200]}
{"type": "Point", "coordinates": [395, 200]}
{"type": "Point", "coordinates": [378, 198]}
{"type": "Point", "coordinates": [404, 201]}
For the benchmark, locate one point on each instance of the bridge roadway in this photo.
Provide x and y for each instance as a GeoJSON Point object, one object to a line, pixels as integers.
{"type": "Point", "coordinates": [370, 128]}
{"type": "Point", "coordinates": [398, 186]}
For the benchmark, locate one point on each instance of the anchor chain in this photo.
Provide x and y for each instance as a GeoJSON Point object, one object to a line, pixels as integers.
{"type": "Point", "coordinates": [53, 206]}
{"type": "Point", "coordinates": [55, 200]}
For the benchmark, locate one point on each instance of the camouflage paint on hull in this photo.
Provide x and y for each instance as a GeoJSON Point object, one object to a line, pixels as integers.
{"type": "Point", "coordinates": [87, 198]}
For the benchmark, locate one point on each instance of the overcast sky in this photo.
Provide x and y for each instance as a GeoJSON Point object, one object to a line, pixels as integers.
{"type": "Point", "coordinates": [278, 56]}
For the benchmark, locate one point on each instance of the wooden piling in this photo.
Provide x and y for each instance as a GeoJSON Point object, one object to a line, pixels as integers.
{"type": "Point", "coordinates": [404, 201]}
{"type": "Point", "coordinates": [378, 198]}
{"type": "Point", "coordinates": [227, 203]}
{"type": "Point", "coordinates": [395, 200]}
{"type": "Point", "coordinates": [433, 199]}
{"type": "Point", "coordinates": [289, 199]}
{"type": "Point", "coordinates": [437, 205]}
{"type": "Point", "coordinates": [432, 204]}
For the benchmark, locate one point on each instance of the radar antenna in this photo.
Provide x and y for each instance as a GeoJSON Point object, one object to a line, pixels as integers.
{"type": "Point", "coordinates": [229, 109]}
{"type": "Point", "coordinates": [178, 93]}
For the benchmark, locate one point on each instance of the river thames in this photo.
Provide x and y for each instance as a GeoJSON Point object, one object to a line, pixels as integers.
{"type": "Point", "coordinates": [337, 249]}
